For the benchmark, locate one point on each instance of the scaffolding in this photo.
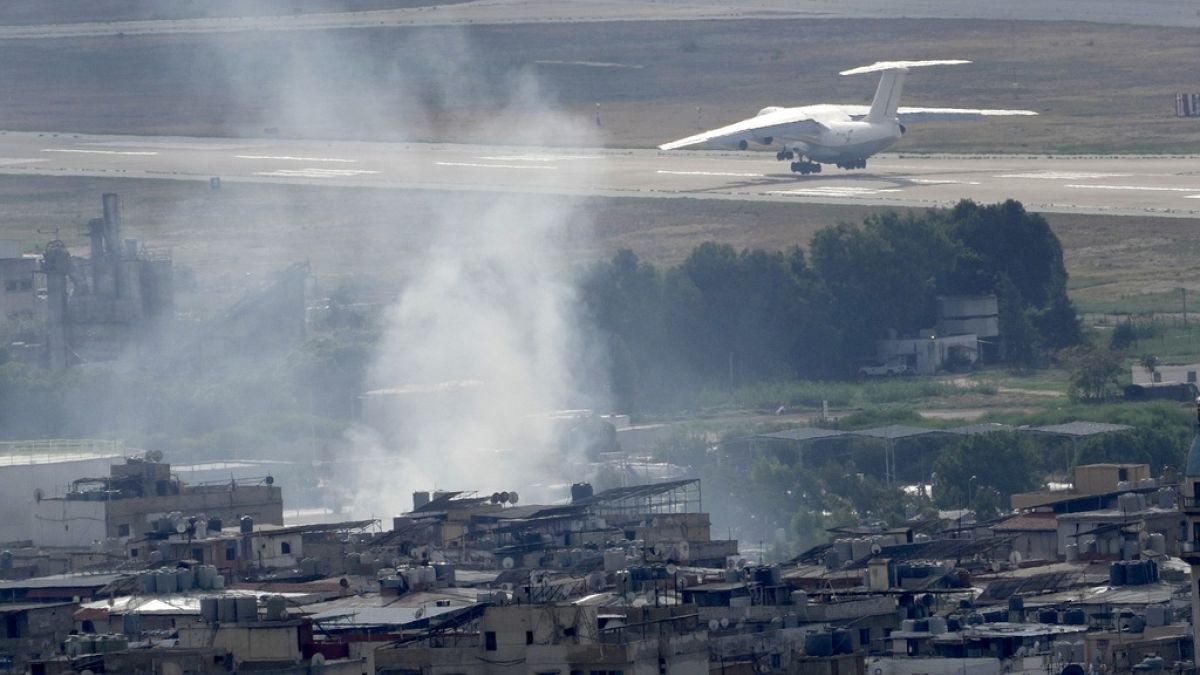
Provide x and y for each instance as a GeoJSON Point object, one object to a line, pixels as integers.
{"type": "Point", "coordinates": [679, 496]}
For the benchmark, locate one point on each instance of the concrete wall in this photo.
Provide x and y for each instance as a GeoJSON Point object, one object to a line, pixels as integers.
{"type": "Point", "coordinates": [1170, 373]}
{"type": "Point", "coordinates": [247, 642]}
{"type": "Point", "coordinates": [263, 503]}
{"type": "Point", "coordinates": [62, 522]}
{"type": "Point", "coordinates": [21, 475]}
{"type": "Point", "coordinates": [1092, 479]}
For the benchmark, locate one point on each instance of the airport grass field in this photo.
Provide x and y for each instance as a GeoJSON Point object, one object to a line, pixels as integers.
{"type": "Point", "coordinates": [644, 80]}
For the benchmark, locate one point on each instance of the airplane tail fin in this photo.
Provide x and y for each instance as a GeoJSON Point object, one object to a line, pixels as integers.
{"type": "Point", "coordinates": [887, 96]}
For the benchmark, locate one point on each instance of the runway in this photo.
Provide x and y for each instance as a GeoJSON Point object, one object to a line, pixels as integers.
{"type": "Point", "coordinates": [1109, 185]}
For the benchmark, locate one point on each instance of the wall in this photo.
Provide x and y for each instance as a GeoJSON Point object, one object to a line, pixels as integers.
{"type": "Point", "coordinates": [1183, 373]}
{"type": "Point", "coordinates": [18, 292]}
{"type": "Point", "coordinates": [62, 522]}
{"type": "Point", "coordinates": [1091, 479]}
{"type": "Point", "coordinates": [20, 475]}
{"type": "Point", "coordinates": [263, 503]}
{"type": "Point", "coordinates": [262, 642]}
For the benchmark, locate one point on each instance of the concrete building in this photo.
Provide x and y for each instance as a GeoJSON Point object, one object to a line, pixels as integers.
{"type": "Point", "coordinates": [46, 468]}
{"type": "Point", "coordinates": [18, 281]}
{"type": "Point", "coordinates": [140, 498]}
{"type": "Point", "coordinates": [1191, 512]}
{"type": "Point", "coordinates": [928, 352]}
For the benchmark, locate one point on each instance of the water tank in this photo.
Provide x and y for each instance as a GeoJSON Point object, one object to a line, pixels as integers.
{"type": "Point", "coordinates": [131, 623]}
{"type": "Point", "coordinates": [937, 625]}
{"type": "Point", "coordinates": [1131, 549]}
{"type": "Point", "coordinates": [845, 548]}
{"type": "Point", "coordinates": [447, 574]}
{"type": "Point", "coordinates": [843, 642]}
{"type": "Point", "coordinates": [276, 608]}
{"type": "Point", "coordinates": [581, 491]}
{"type": "Point", "coordinates": [1152, 571]}
{"type": "Point", "coordinates": [1072, 552]}
{"type": "Point", "coordinates": [799, 598]}
{"type": "Point", "coordinates": [214, 525]}
{"type": "Point", "coordinates": [860, 548]}
{"type": "Point", "coordinates": [1157, 542]}
{"type": "Point", "coordinates": [428, 576]}
{"type": "Point", "coordinates": [1165, 498]}
{"type": "Point", "coordinates": [147, 582]}
{"type": "Point", "coordinates": [818, 644]}
{"type": "Point", "coordinates": [953, 624]}
{"type": "Point", "coordinates": [1116, 574]}
{"type": "Point", "coordinates": [246, 525]}
{"type": "Point", "coordinates": [186, 578]}
{"type": "Point", "coordinates": [164, 581]}
{"type": "Point", "coordinates": [833, 559]}
{"type": "Point", "coordinates": [1016, 603]}
{"type": "Point", "coordinates": [246, 607]}
{"type": "Point", "coordinates": [208, 609]}
{"type": "Point", "coordinates": [308, 567]}
{"type": "Point", "coordinates": [226, 609]}
{"type": "Point", "coordinates": [1136, 573]}
{"type": "Point", "coordinates": [1047, 616]}
{"type": "Point", "coordinates": [1156, 615]}
{"type": "Point", "coordinates": [908, 625]}
{"type": "Point", "coordinates": [218, 582]}
{"type": "Point", "coordinates": [1075, 617]}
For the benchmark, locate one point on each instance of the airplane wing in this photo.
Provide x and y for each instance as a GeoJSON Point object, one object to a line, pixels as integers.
{"type": "Point", "coordinates": [909, 114]}
{"type": "Point", "coordinates": [785, 123]}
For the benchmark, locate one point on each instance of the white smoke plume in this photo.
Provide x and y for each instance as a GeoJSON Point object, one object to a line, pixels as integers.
{"type": "Point", "coordinates": [484, 341]}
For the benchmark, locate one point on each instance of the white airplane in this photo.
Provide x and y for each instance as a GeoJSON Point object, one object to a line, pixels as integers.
{"type": "Point", "coordinates": [844, 135]}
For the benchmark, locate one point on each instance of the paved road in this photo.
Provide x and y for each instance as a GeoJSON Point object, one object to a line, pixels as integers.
{"type": "Point", "coordinates": [1175, 13]}
{"type": "Point", "coordinates": [1127, 185]}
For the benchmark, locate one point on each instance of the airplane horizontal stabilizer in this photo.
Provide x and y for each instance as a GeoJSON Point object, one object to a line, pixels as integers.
{"type": "Point", "coordinates": [900, 65]}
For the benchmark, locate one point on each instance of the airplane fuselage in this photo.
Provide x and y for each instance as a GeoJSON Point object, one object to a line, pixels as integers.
{"type": "Point", "coordinates": [842, 138]}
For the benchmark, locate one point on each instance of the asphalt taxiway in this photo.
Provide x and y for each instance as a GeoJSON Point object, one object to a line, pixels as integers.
{"type": "Point", "coordinates": [1110, 185]}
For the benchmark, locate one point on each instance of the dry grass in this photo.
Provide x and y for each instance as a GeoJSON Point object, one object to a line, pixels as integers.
{"type": "Point", "coordinates": [348, 232]}
{"type": "Point", "coordinates": [1099, 88]}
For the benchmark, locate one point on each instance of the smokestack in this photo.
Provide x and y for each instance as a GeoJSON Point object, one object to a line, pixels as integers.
{"type": "Point", "coordinates": [112, 224]}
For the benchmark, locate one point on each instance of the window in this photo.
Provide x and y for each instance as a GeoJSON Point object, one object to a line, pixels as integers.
{"type": "Point", "coordinates": [231, 552]}
{"type": "Point", "coordinates": [528, 637]}
{"type": "Point", "coordinates": [198, 554]}
{"type": "Point", "coordinates": [1122, 474]}
{"type": "Point", "coordinates": [123, 530]}
{"type": "Point", "coordinates": [489, 640]}
{"type": "Point", "coordinates": [133, 553]}
{"type": "Point", "coordinates": [864, 636]}
{"type": "Point", "coordinates": [1191, 376]}
{"type": "Point", "coordinates": [285, 548]}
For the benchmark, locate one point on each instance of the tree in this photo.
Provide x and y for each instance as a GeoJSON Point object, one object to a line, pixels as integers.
{"type": "Point", "coordinates": [1018, 339]}
{"type": "Point", "coordinates": [1095, 373]}
{"type": "Point", "coordinates": [1005, 462]}
{"type": "Point", "coordinates": [1123, 336]}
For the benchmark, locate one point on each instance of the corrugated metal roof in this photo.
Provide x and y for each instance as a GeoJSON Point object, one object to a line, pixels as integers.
{"type": "Point", "coordinates": [379, 616]}
{"type": "Point", "coordinates": [1078, 429]}
{"type": "Point", "coordinates": [63, 581]}
{"type": "Point", "coordinates": [983, 428]}
{"type": "Point", "coordinates": [803, 434]}
{"type": "Point", "coordinates": [894, 432]}
{"type": "Point", "coordinates": [1029, 522]}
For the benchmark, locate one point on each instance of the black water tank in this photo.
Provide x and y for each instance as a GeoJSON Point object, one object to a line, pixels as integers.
{"type": "Point", "coordinates": [247, 525]}
{"type": "Point", "coordinates": [580, 491]}
{"type": "Point", "coordinates": [214, 524]}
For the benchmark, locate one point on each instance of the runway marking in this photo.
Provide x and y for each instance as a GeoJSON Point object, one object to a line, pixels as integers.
{"type": "Point", "coordinates": [834, 191]}
{"type": "Point", "coordinates": [145, 153]}
{"type": "Point", "coordinates": [6, 161]}
{"type": "Point", "coordinates": [170, 145]}
{"type": "Point", "coordinates": [1146, 188]}
{"type": "Point", "coordinates": [315, 173]}
{"type": "Point", "coordinates": [1063, 175]}
{"type": "Point", "coordinates": [940, 181]}
{"type": "Point", "coordinates": [538, 158]}
{"type": "Point", "coordinates": [497, 166]}
{"type": "Point", "coordinates": [588, 64]}
{"type": "Point", "coordinates": [719, 174]}
{"type": "Point", "coordinates": [297, 159]}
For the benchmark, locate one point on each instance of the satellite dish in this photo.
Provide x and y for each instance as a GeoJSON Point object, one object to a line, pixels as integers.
{"type": "Point", "coordinates": [503, 497]}
{"type": "Point", "coordinates": [659, 550]}
{"type": "Point", "coordinates": [713, 624]}
{"type": "Point", "coordinates": [318, 660]}
{"type": "Point", "coordinates": [507, 563]}
{"type": "Point", "coordinates": [672, 569]}
{"type": "Point", "coordinates": [724, 623]}
{"type": "Point", "coordinates": [1015, 557]}
{"type": "Point", "coordinates": [876, 549]}
{"type": "Point", "coordinates": [270, 480]}
{"type": "Point", "coordinates": [595, 581]}
{"type": "Point", "coordinates": [180, 527]}
{"type": "Point", "coordinates": [38, 494]}
{"type": "Point", "coordinates": [154, 456]}
{"type": "Point", "coordinates": [512, 497]}
{"type": "Point", "coordinates": [419, 613]}
{"type": "Point", "coordinates": [764, 668]}
{"type": "Point", "coordinates": [495, 497]}
{"type": "Point", "coordinates": [684, 549]}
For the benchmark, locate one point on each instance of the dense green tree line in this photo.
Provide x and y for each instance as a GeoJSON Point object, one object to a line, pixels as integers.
{"type": "Point", "coordinates": [726, 318]}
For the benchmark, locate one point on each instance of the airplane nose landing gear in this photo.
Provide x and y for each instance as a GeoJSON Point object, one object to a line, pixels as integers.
{"type": "Point", "coordinates": [785, 154]}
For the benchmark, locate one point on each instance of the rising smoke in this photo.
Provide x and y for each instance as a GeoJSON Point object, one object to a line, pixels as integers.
{"type": "Point", "coordinates": [483, 341]}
